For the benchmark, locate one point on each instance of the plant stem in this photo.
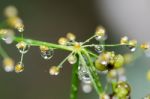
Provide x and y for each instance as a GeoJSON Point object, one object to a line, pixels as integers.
{"type": "Point", "coordinates": [39, 43]}
{"type": "Point", "coordinates": [94, 72]}
{"type": "Point", "coordinates": [106, 45]}
{"type": "Point", "coordinates": [91, 53]}
{"type": "Point", "coordinates": [60, 65]}
{"type": "Point", "coordinates": [88, 40]}
{"type": "Point", "coordinates": [94, 78]}
{"type": "Point", "coordinates": [74, 85]}
{"type": "Point", "coordinates": [2, 52]}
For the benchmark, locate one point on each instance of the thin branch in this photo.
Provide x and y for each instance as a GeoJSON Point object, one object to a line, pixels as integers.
{"type": "Point", "coordinates": [88, 40]}
{"type": "Point", "coordinates": [60, 65]}
{"type": "Point", "coordinates": [39, 43]}
{"type": "Point", "coordinates": [94, 78]}
{"type": "Point", "coordinates": [105, 45]}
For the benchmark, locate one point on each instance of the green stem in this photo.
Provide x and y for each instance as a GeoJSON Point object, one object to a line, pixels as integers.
{"type": "Point", "coordinates": [2, 52]}
{"type": "Point", "coordinates": [92, 73]}
{"type": "Point", "coordinates": [91, 53]}
{"type": "Point", "coordinates": [74, 86]}
{"type": "Point", "coordinates": [39, 43]}
{"type": "Point", "coordinates": [60, 65]}
{"type": "Point", "coordinates": [88, 40]}
{"type": "Point", "coordinates": [106, 45]}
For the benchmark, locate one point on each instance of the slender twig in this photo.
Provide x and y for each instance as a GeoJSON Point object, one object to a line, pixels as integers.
{"type": "Point", "coordinates": [60, 65]}
{"type": "Point", "coordinates": [74, 85]}
{"type": "Point", "coordinates": [39, 43]}
{"type": "Point", "coordinates": [91, 53]}
{"type": "Point", "coordinates": [93, 77]}
{"type": "Point", "coordinates": [88, 40]}
{"type": "Point", "coordinates": [106, 45]}
{"type": "Point", "coordinates": [94, 72]}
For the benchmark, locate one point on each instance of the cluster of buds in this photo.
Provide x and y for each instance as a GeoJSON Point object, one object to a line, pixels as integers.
{"type": "Point", "coordinates": [108, 61]}
{"type": "Point", "coordinates": [122, 90]}
{"type": "Point", "coordinates": [46, 52]}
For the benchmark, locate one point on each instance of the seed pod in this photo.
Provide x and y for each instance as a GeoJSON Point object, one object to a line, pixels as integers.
{"type": "Point", "coordinates": [122, 90]}
{"type": "Point", "coordinates": [62, 41]}
{"type": "Point", "coordinates": [145, 46]}
{"type": "Point", "coordinates": [70, 36]}
{"type": "Point", "coordinates": [16, 23]}
{"type": "Point", "coordinates": [10, 11]}
{"type": "Point", "coordinates": [19, 67]}
{"type": "Point", "coordinates": [100, 66]}
{"type": "Point", "coordinates": [105, 61]}
{"type": "Point", "coordinates": [54, 70]}
{"type": "Point", "coordinates": [8, 64]}
{"type": "Point", "coordinates": [100, 31]}
{"type": "Point", "coordinates": [124, 40]}
{"type": "Point", "coordinates": [119, 61]}
{"type": "Point", "coordinates": [72, 59]}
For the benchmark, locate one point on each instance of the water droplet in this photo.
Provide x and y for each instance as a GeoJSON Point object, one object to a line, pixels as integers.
{"type": "Point", "coordinates": [86, 88]}
{"type": "Point", "coordinates": [99, 48]}
{"type": "Point", "coordinates": [83, 74]}
{"type": "Point", "coordinates": [19, 67]}
{"type": "Point", "coordinates": [9, 68]}
{"type": "Point", "coordinates": [23, 47]}
{"type": "Point", "coordinates": [47, 54]}
{"type": "Point", "coordinates": [132, 48]}
{"type": "Point", "coordinates": [101, 38]}
{"type": "Point", "coordinates": [72, 59]}
{"type": "Point", "coordinates": [8, 37]}
{"type": "Point", "coordinates": [98, 38]}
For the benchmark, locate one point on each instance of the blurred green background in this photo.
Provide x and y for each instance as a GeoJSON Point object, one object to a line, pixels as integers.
{"type": "Point", "coordinates": [47, 20]}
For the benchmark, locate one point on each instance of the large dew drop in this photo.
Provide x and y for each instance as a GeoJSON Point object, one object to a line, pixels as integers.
{"type": "Point", "coordinates": [47, 54]}
{"type": "Point", "coordinates": [83, 74]}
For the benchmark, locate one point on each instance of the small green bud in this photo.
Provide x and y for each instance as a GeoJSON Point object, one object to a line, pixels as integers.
{"type": "Point", "coordinates": [119, 61]}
